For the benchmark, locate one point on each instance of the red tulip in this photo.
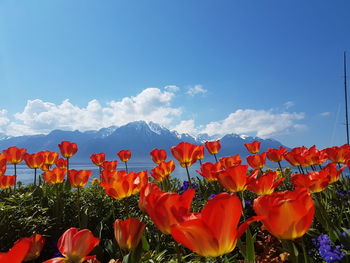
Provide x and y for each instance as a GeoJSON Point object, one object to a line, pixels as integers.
{"type": "Point", "coordinates": [265, 184]}
{"type": "Point", "coordinates": [34, 160]}
{"type": "Point", "coordinates": [213, 147]}
{"type": "Point", "coordinates": [210, 171]}
{"type": "Point", "coordinates": [109, 177]}
{"type": "Point", "coordinates": [253, 147]}
{"type": "Point", "coordinates": [276, 155]}
{"type": "Point", "coordinates": [145, 191]}
{"type": "Point", "coordinates": [45, 167]}
{"type": "Point", "coordinates": [288, 214]}
{"type": "Point", "coordinates": [17, 252]}
{"type": "Point", "coordinates": [333, 173]}
{"type": "Point", "coordinates": [36, 246]}
{"type": "Point", "coordinates": [3, 162]}
{"type": "Point", "coordinates": [79, 178]}
{"type": "Point", "coordinates": [62, 164]}
{"type": "Point", "coordinates": [124, 155]}
{"type": "Point", "coordinates": [338, 154]}
{"type": "Point", "coordinates": [163, 170]}
{"type": "Point", "coordinates": [68, 149]}
{"type": "Point", "coordinates": [158, 155]}
{"type": "Point", "coordinates": [200, 154]}
{"type": "Point", "coordinates": [110, 165]}
{"type": "Point", "coordinates": [257, 161]}
{"type": "Point", "coordinates": [314, 181]}
{"type": "Point", "coordinates": [125, 185]}
{"type": "Point", "coordinates": [50, 157]}
{"type": "Point", "coordinates": [75, 245]}
{"type": "Point", "coordinates": [230, 161]}
{"type": "Point", "coordinates": [55, 176]}
{"type": "Point", "coordinates": [128, 233]}
{"type": "Point", "coordinates": [168, 209]}
{"type": "Point", "coordinates": [296, 156]}
{"type": "Point", "coordinates": [7, 181]}
{"type": "Point", "coordinates": [234, 178]}
{"type": "Point", "coordinates": [214, 231]}
{"type": "Point", "coordinates": [14, 155]}
{"type": "Point", "coordinates": [98, 158]}
{"type": "Point", "coordinates": [185, 153]}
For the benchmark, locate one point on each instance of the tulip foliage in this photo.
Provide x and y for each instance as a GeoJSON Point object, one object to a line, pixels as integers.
{"type": "Point", "coordinates": [231, 209]}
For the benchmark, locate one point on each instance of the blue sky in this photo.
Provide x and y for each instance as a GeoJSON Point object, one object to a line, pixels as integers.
{"type": "Point", "coordinates": [266, 68]}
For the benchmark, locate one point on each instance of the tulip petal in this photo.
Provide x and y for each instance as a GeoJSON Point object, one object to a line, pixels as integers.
{"type": "Point", "coordinates": [17, 252]}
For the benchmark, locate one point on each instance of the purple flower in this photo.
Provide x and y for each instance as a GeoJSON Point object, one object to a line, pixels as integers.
{"type": "Point", "coordinates": [211, 196]}
{"type": "Point", "coordinates": [327, 251]}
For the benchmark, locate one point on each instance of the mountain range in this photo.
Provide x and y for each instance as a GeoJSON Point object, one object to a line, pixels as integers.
{"type": "Point", "coordinates": [140, 137]}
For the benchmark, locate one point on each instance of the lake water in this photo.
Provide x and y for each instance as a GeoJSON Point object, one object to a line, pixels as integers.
{"type": "Point", "coordinates": [26, 175]}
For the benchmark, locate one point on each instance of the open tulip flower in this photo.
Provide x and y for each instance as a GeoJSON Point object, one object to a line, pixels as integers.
{"type": "Point", "coordinates": [110, 165]}
{"type": "Point", "coordinates": [338, 154]}
{"type": "Point", "coordinates": [210, 170]}
{"type": "Point", "coordinates": [75, 246]}
{"type": "Point", "coordinates": [163, 170]}
{"type": "Point", "coordinates": [107, 177]}
{"type": "Point", "coordinates": [265, 184]}
{"type": "Point", "coordinates": [253, 147]}
{"type": "Point", "coordinates": [200, 155]}
{"type": "Point", "coordinates": [213, 147]}
{"type": "Point", "coordinates": [36, 245]}
{"type": "Point", "coordinates": [79, 178]}
{"type": "Point", "coordinates": [145, 191]}
{"type": "Point", "coordinates": [17, 253]}
{"type": "Point", "coordinates": [168, 209]}
{"type": "Point", "coordinates": [314, 181]}
{"type": "Point", "coordinates": [55, 176]}
{"type": "Point", "coordinates": [214, 231]}
{"type": "Point", "coordinates": [128, 233]}
{"type": "Point", "coordinates": [334, 174]}
{"type": "Point", "coordinates": [257, 161]}
{"type": "Point", "coordinates": [50, 157]}
{"type": "Point", "coordinates": [68, 149]}
{"type": "Point", "coordinates": [276, 155]}
{"type": "Point", "coordinates": [3, 162]}
{"type": "Point", "coordinates": [230, 161]}
{"type": "Point", "coordinates": [288, 214]}
{"type": "Point", "coordinates": [234, 178]}
{"type": "Point", "coordinates": [34, 160]}
{"type": "Point", "coordinates": [185, 153]}
{"type": "Point", "coordinates": [7, 181]}
{"type": "Point", "coordinates": [125, 185]}
{"type": "Point", "coordinates": [62, 164]}
{"type": "Point", "coordinates": [98, 158]}
{"type": "Point", "coordinates": [158, 155]}
{"type": "Point", "coordinates": [14, 155]}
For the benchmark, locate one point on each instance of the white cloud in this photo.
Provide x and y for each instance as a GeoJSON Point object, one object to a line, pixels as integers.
{"type": "Point", "coordinates": [288, 104]}
{"type": "Point", "coordinates": [172, 88]}
{"type": "Point", "coordinates": [325, 114]}
{"type": "Point", "coordinates": [197, 89]}
{"type": "Point", "coordinates": [262, 123]}
{"type": "Point", "coordinates": [151, 104]}
{"type": "Point", "coordinates": [4, 121]}
{"type": "Point", "coordinates": [186, 126]}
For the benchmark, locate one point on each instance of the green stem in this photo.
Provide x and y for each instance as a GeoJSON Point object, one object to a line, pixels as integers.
{"type": "Point", "coordinates": [304, 251]}
{"type": "Point", "coordinates": [35, 176]}
{"type": "Point", "coordinates": [178, 252]}
{"type": "Point", "coordinates": [15, 175]}
{"type": "Point", "coordinates": [216, 159]}
{"type": "Point", "coordinates": [78, 207]}
{"type": "Point", "coordinates": [126, 167]}
{"type": "Point", "coordinates": [188, 176]}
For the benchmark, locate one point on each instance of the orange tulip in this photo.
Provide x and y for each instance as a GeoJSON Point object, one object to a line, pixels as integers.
{"type": "Point", "coordinates": [45, 167]}
{"type": "Point", "coordinates": [296, 156]}
{"type": "Point", "coordinates": [185, 153]}
{"type": "Point", "coordinates": [34, 160]}
{"type": "Point", "coordinates": [158, 155]}
{"type": "Point", "coordinates": [7, 181]}
{"type": "Point", "coordinates": [36, 246]}
{"type": "Point", "coordinates": [163, 170]}
{"type": "Point", "coordinates": [128, 233]}
{"type": "Point", "coordinates": [230, 161]}
{"type": "Point", "coordinates": [125, 185]}
{"type": "Point", "coordinates": [14, 155]}
{"type": "Point", "coordinates": [109, 177]}
{"type": "Point", "coordinates": [209, 170]}
{"type": "Point", "coordinates": [234, 178]}
{"type": "Point", "coordinates": [314, 181]}
{"type": "Point", "coordinates": [200, 155]}
{"type": "Point", "coordinates": [168, 209]}
{"type": "Point", "coordinates": [265, 184]}
{"type": "Point", "coordinates": [315, 157]}
{"type": "Point", "coordinates": [50, 157]}
{"type": "Point", "coordinates": [253, 147]}
{"type": "Point", "coordinates": [145, 191]}
{"type": "Point", "coordinates": [3, 162]}
{"type": "Point", "coordinates": [332, 171]}
{"type": "Point", "coordinates": [75, 245]}
{"type": "Point", "coordinates": [55, 176]}
{"type": "Point", "coordinates": [276, 155]}
{"type": "Point", "coordinates": [17, 252]}
{"type": "Point", "coordinates": [214, 231]}
{"type": "Point", "coordinates": [338, 154]}
{"type": "Point", "coordinates": [124, 155]}
{"type": "Point", "coordinates": [68, 149]}
{"type": "Point", "coordinates": [213, 147]}
{"type": "Point", "coordinates": [110, 165]}
{"type": "Point", "coordinates": [257, 161]}
{"type": "Point", "coordinates": [62, 164]}
{"type": "Point", "coordinates": [98, 158]}
{"type": "Point", "coordinates": [288, 214]}
{"type": "Point", "coordinates": [79, 178]}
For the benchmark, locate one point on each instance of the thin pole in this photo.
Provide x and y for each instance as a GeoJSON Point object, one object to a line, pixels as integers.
{"type": "Point", "coordinates": [346, 101]}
